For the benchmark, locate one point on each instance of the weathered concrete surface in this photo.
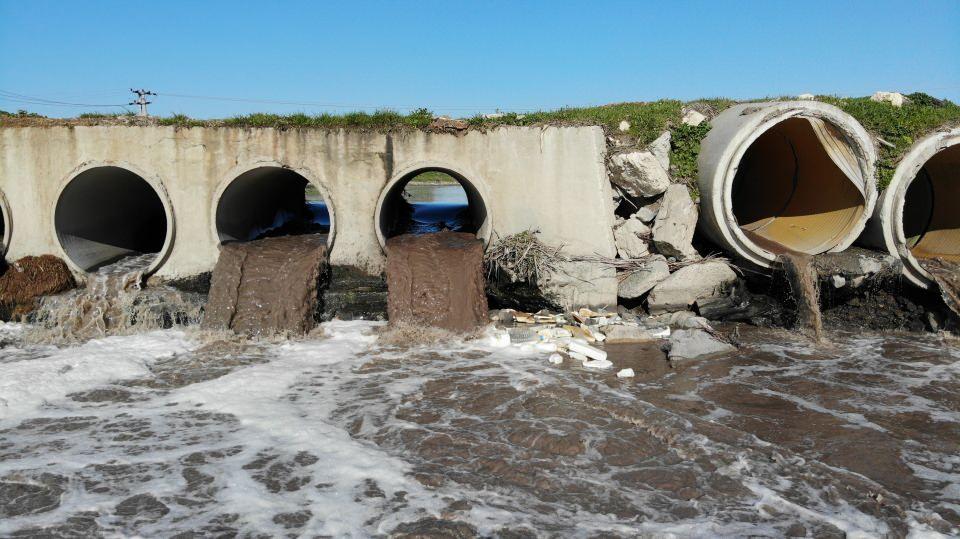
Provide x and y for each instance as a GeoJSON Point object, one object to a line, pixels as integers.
{"type": "Point", "coordinates": [552, 179]}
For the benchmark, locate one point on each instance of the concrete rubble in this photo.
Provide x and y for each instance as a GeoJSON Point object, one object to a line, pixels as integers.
{"type": "Point", "coordinates": [695, 343]}
{"type": "Point", "coordinates": [690, 284]}
{"type": "Point", "coordinates": [894, 98]}
{"type": "Point", "coordinates": [676, 223]}
{"type": "Point", "coordinates": [692, 117]}
{"type": "Point", "coordinates": [631, 237]}
{"type": "Point", "coordinates": [638, 173]}
{"type": "Point", "coordinates": [660, 148]}
{"type": "Point", "coordinates": [641, 281]}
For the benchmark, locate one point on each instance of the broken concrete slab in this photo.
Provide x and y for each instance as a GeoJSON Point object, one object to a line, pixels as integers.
{"type": "Point", "coordinates": [576, 284]}
{"type": "Point", "coordinates": [894, 98]}
{"type": "Point", "coordinates": [643, 280]}
{"type": "Point", "coordinates": [638, 173]}
{"type": "Point", "coordinates": [617, 333]}
{"type": "Point", "coordinates": [688, 284]}
{"type": "Point", "coordinates": [693, 117]}
{"type": "Point", "coordinates": [630, 237]}
{"type": "Point", "coordinates": [648, 212]}
{"type": "Point", "coordinates": [660, 148]}
{"type": "Point", "coordinates": [675, 224]}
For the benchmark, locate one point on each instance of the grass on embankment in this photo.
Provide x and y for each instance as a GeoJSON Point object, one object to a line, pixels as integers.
{"type": "Point", "coordinates": [899, 128]}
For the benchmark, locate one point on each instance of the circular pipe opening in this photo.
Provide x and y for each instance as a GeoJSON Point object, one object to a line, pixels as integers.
{"type": "Point", "coordinates": [271, 201]}
{"type": "Point", "coordinates": [108, 213]}
{"type": "Point", "coordinates": [431, 199]}
{"type": "Point", "coordinates": [5, 228]}
{"type": "Point", "coordinates": [931, 221]}
{"type": "Point", "coordinates": [798, 188]}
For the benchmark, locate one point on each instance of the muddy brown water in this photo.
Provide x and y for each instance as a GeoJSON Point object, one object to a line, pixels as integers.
{"type": "Point", "coordinates": [341, 436]}
{"type": "Point", "coordinates": [436, 280]}
{"type": "Point", "coordinates": [267, 286]}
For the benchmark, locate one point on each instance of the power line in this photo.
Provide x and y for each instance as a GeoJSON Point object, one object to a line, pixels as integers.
{"type": "Point", "coordinates": [33, 100]}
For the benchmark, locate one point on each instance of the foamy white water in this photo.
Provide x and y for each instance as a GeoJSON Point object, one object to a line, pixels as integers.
{"type": "Point", "coordinates": [168, 432]}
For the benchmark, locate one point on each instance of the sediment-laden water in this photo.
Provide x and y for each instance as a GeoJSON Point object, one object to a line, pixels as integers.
{"type": "Point", "coordinates": [339, 434]}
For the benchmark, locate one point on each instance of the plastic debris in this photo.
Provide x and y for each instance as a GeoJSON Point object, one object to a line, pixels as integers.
{"type": "Point", "coordinates": [579, 357]}
{"type": "Point", "coordinates": [598, 364]}
{"type": "Point", "coordinates": [498, 338]}
{"type": "Point", "coordinates": [587, 350]}
{"type": "Point", "coordinates": [625, 373]}
{"type": "Point", "coordinates": [556, 359]}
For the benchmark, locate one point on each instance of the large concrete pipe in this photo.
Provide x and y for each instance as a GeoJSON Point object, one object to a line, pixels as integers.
{"type": "Point", "coordinates": [918, 214]}
{"type": "Point", "coordinates": [394, 213]}
{"type": "Point", "coordinates": [269, 200]}
{"type": "Point", "coordinates": [106, 213]}
{"type": "Point", "coordinates": [789, 176]}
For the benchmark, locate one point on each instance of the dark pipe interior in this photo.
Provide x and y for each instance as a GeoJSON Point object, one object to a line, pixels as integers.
{"type": "Point", "coordinates": [411, 207]}
{"type": "Point", "coordinates": [789, 195]}
{"type": "Point", "coordinates": [270, 202]}
{"type": "Point", "coordinates": [107, 213]}
{"type": "Point", "coordinates": [931, 218]}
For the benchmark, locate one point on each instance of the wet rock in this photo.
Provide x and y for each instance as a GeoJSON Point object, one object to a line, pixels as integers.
{"type": "Point", "coordinates": [354, 294]}
{"type": "Point", "coordinates": [630, 239]}
{"type": "Point", "coordinates": [626, 334]}
{"type": "Point", "coordinates": [643, 280]}
{"type": "Point", "coordinates": [689, 284]}
{"type": "Point", "coordinates": [695, 322]}
{"type": "Point", "coordinates": [694, 343]}
{"type": "Point", "coordinates": [660, 148]}
{"type": "Point", "coordinates": [142, 506]}
{"type": "Point", "coordinates": [19, 498]}
{"type": "Point", "coordinates": [436, 280]}
{"type": "Point", "coordinates": [675, 224]}
{"type": "Point", "coordinates": [268, 286]}
{"type": "Point", "coordinates": [434, 528]}
{"type": "Point", "coordinates": [76, 526]}
{"type": "Point", "coordinates": [638, 173]}
{"type": "Point", "coordinates": [28, 279]}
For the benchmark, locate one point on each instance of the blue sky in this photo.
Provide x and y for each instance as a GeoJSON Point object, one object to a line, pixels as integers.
{"type": "Point", "coordinates": [460, 58]}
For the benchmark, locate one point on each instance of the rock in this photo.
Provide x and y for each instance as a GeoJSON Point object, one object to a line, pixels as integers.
{"type": "Point", "coordinates": [689, 284]}
{"type": "Point", "coordinates": [447, 125]}
{"type": "Point", "coordinates": [625, 373]}
{"type": "Point", "coordinates": [838, 281]}
{"type": "Point", "coordinates": [629, 237]}
{"type": "Point", "coordinates": [894, 98]}
{"type": "Point", "coordinates": [695, 322]}
{"type": "Point", "coordinates": [806, 97]}
{"type": "Point", "coordinates": [142, 506]}
{"type": "Point", "coordinates": [694, 343]}
{"type": "Point", "coordinates": [660, 148]}
{"type": "Point", "coordinates": [638, 173]}
{"type": "Point", "coordinates": [624, 126]}
{"type": "Point", "coordinates": [679, 318]}
{"type": "Point", "coordinates": [647, 213]}
{"type": "Point", "coordinates": [641, 281]}
{"type": "Point", "coordinates": [692, 117]}
{"type": "Point", "coordinates": [617, 333]}
{"type": "Point", "coordinates": [580, 284]}
{"type": "Point", "coordinates": [675, 224]}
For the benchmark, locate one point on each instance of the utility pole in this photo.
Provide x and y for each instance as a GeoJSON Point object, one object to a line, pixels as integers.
{"type": "Point", "coordinates": [142, 100]}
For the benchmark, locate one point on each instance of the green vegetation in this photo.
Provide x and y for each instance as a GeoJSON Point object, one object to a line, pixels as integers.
{"type": "Point", "coordinates": [97, 115]}
{"type": "Point", "coordinates": [684, 150]}
{"type": "Point", "coordinates": [433, 177]}
{"type": "Point", "coordinates": [898, 127]}
{"type": "Point", "coordinates": [379, 120]}
{"type": "Point", "coordinates": [20, 114]}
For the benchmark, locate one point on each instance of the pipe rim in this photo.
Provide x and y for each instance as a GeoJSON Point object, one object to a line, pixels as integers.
{"type": "Point", "coordinates": [7, 225]}
{"type": "Point", "coordinates": [242, 169]}
{"type": "Point", "coordinates": [780, 111]}
{"type": "Point", "coordinates": [486, 228]}
{"type": "Point", "coordinates": [893, 204]}
{"type": "Point", "coordinates": [153, 181]}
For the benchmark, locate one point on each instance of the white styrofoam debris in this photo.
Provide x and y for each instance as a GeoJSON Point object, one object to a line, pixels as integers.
{"type": "Point", "coordinates": [556, 359]}
{"type": "Point", "coordinates": [625, 373]}
{"type": "Point", "coordinates": [597, 364]}
{"type": "Point", "coordinates": [587, 350]}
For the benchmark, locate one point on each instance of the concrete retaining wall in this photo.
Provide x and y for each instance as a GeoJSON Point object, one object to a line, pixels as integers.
{"type": "Point", "coordinates": [552, 179]}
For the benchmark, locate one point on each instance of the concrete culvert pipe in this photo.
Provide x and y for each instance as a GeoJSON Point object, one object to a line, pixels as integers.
{"type": "Point", "coordinates": [5, 227]}
{"type": "Point", "coordinates": [917, 215]}
{"type": "Point", "coordinates": [785, 177]}
{"type": "Point", "coordinates": [431, 199]}
{"type": "Point", "coordinates": [270, 201]}
{"type": "Point", "coordinates": [108, 213]}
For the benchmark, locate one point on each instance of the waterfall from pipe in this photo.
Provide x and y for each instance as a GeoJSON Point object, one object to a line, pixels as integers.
{"type": "Point", "coordinates": [804, 284]}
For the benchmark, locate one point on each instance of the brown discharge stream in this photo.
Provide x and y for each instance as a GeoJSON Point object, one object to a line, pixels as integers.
{"type": "Point", "coordinates": [267, 286]}
{"type": "Point", "coordinates": [436, 280]}
{"type": "Point", "coordinates": [804, 283]}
